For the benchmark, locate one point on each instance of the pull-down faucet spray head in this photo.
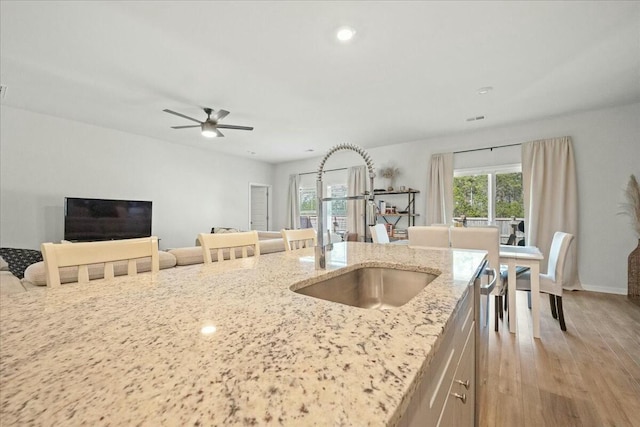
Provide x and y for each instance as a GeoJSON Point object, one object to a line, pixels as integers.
{"type": "Point", "coordinates": [321, 248]}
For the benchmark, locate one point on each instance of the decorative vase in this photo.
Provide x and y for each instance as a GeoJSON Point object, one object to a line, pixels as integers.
{"type": "Point", "coordinates": [634, 272]}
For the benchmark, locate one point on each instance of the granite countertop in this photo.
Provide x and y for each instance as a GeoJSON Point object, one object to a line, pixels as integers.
{"type": "Point", "coordinates": [225, 343]}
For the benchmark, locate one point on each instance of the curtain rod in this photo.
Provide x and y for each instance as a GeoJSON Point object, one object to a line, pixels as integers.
{"type": "Point", "coordinates": [486, 148]}
{"type": "Point", "coordinates": [328, 170]}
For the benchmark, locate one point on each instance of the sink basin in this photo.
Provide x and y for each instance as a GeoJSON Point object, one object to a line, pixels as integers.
{"type": "Point", "coordinates": [370, 287]}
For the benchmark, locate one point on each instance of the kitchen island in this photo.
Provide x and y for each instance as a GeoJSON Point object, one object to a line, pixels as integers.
{"type": "Point", "coordinates": [226, 344]}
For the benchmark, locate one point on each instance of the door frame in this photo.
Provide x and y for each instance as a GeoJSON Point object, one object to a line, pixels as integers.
{"type": "Point", "coordinates": [269, 196]}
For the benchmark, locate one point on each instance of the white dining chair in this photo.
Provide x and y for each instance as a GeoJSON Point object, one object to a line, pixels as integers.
{"type": "Point", "coordinates": [379, 233]}
{"type": "Point", "coordinates": [298, 239]}
{"type": "Point", "coordinates": [553, 280]}
{"type": "Point", "coordinates": [488, 239]}
{"type": "Point", "coordinates": [430, 236]}
{"type": "Point", "coordinates": [83, 254]}
{"type": "Point", "coordinates": [228, 243]}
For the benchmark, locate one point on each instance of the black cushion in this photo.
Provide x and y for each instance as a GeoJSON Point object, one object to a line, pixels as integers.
{"type": "Point", "coordinates": [20, 259]}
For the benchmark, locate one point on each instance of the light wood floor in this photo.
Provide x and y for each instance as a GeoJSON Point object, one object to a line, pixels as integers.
{"type": "Point", "coordinates": [586, 376]}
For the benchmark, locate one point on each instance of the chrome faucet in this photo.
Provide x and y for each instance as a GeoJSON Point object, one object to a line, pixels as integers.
{"type": "Point", "coordinates": [321, 247]}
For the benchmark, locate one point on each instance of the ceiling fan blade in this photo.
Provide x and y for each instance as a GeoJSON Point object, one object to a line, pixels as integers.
{"type": "Point", "coordinates": [219, 115]}
{"type": "Point", "coordinates": [185, 127]}
{"type": "Point", "coordinates": [182, 115]}
{"type": "Point", "coordinates": [220, 134]}
{"type": "Point", "coordinates": [234, 127]}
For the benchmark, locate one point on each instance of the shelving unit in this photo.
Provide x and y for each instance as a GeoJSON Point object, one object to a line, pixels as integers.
{"type": "Point", "coordinates": [395, 218]}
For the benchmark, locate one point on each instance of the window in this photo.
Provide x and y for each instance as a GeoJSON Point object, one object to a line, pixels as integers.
{"type": "Point", "coordinates": [489, 196]}
{"type": "Point", "coordinates": [308, 201]}
{"type": "Point", "coordinates": [470, 196]}
{"type": "Point", "coordinates": [509, 203]}
{"type": "Point", "coordinates": [335, 211]}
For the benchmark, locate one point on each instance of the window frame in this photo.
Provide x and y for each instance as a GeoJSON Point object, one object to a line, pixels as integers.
{"type": "Point", "coordinates": [491, 172]}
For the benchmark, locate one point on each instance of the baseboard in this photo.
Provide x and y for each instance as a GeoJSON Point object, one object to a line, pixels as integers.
{"type": "Point", "coordinates": [605, 289]}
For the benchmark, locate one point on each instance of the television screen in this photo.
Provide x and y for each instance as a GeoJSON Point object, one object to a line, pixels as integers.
{"type": "Point", "coordinates": [102, 219]}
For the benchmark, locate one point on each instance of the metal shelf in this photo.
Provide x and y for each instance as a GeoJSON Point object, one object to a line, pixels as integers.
{"type": "Point", "coordinates": [395, 218]}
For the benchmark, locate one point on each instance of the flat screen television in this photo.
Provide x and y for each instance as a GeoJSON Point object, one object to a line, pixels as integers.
{"type": "Point", "coordinates": [88, 220]}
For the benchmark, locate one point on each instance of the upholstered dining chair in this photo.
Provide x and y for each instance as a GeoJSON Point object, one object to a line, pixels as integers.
{"type": "Point", "coordinates": [228, 242]}
{"type": "Point", "coordinates": [488, 239]}
{"type": "Point", "coordinates": [553, 280]}
{"type": "Point", "coordinates": [433, 236]}
{"type": "Point", "coordinates": [379, 233]}
{"type": "Point", "coordinates": [298, 239]}
{"type": "Point", "coordinates": [81, 255]}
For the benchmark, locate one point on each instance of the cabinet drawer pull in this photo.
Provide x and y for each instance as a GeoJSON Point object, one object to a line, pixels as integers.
{"type": "Point", "coordinates": [464, 383]}
{"type": "Point", "coordinates": [462, 397]}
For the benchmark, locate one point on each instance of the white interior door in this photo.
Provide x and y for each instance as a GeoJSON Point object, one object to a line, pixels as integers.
{"type": "Point", "coordinates": [259, 207]}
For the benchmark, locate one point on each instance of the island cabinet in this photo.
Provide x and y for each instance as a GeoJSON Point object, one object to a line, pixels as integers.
{"type": "Point", "coordinates": [445, 395]}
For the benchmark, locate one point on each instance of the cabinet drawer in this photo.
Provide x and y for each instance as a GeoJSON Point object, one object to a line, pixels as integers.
{"type": "Point", "coordinates": [430, 396]}
{"type": "Point", "coordinates": [459, 407]}
{"type": "Point", "coordinates": [456, 336]}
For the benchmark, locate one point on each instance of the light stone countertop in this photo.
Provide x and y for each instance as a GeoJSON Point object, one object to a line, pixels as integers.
{"type": "Point", "coordinates": [133, 351]}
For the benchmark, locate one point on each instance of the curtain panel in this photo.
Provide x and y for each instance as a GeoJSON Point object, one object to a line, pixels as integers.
{"type": "Point", "coordinates": [551, 198]}
{"type": "Point", "coordinates": [293, 203]}
{"type": "Point", "coordinates": [440, 190]}
{"type": "Point", "coordinates": [356, 185]}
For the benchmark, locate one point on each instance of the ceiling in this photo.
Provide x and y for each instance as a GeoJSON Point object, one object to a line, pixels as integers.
{"type": "Point", "coordinates": [412, 71]}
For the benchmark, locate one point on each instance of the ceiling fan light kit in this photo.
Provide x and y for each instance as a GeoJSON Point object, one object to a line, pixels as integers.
{"type": "Point", "coordinates": [210, 126]}
{"type": "Point", "coordinates": [208, 130]}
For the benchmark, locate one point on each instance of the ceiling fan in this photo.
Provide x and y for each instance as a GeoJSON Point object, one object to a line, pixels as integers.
{"type": "Point", "coordinates": [211, 125]}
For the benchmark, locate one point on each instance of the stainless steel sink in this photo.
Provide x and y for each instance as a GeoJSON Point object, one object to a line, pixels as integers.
{"type": "Point", "coordinates": [370, 287]}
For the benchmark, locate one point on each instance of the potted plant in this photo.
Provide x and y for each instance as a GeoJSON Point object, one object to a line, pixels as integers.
{"type": "Point", "coordinates": [390, 173]}
{"type": "Point", "coordinates": [632, 208]}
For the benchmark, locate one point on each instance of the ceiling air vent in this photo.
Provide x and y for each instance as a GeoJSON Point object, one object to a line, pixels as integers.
{"type": "Point", "coordinates": [473, 119]}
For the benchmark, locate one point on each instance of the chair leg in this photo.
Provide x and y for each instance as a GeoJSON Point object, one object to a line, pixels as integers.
{"type": "Point", "coordinates": [560, 313]}
{"type": "Point", "coordinates": [496, 313]}
{"type": "Point", "coordinates": [499, 306]}
{"type": "Point", "coordinates": [552, 303]}
{"type": "Point", "coordinates": [486, 314]}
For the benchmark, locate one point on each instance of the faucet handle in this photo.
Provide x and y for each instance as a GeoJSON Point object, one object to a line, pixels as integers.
{"type": "Point", "coordinates": [329, 244]}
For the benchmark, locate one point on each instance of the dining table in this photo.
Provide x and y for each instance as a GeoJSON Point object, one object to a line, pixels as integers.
{"type": "Point", "coordinates": [523, 256]}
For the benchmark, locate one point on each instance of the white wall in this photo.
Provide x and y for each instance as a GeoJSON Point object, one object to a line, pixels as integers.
{"type": "Point", "coordinates": [607, 148]}
{"type": "Point", "coordinates": [44, 159]}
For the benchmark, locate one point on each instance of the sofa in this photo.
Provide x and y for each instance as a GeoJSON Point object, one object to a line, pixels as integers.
{"type": "Point", "coordinates": [270, 242]}
{"type": "Point", "coordinates": [34, 274]}
{"type": "Point", "coordinates": [9, 283]}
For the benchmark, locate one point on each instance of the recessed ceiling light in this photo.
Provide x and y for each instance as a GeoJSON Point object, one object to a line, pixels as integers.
{"type": "Point", "coordinates": [484, 90]}
{"type": "Point", "coordinates": [345, 34]}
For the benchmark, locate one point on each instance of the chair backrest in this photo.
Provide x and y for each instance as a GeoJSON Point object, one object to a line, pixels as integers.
{"type": "Point", "coordinates": [351, 237]}
{"type": "Point", "coordinates": [229, 242]}
{"type": "Point", "coordinates": [379, 233]}
{"type": "Point", "coordinates": [298, 239]}
{"type": "Point", "coordinates": [57, 255]}
{"type": "Point", "coordinates": [557, 256]}
{"type": "Point", "coordinates": [432, 236]}
{"type": "Point", "coordinates": [484, 238]}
